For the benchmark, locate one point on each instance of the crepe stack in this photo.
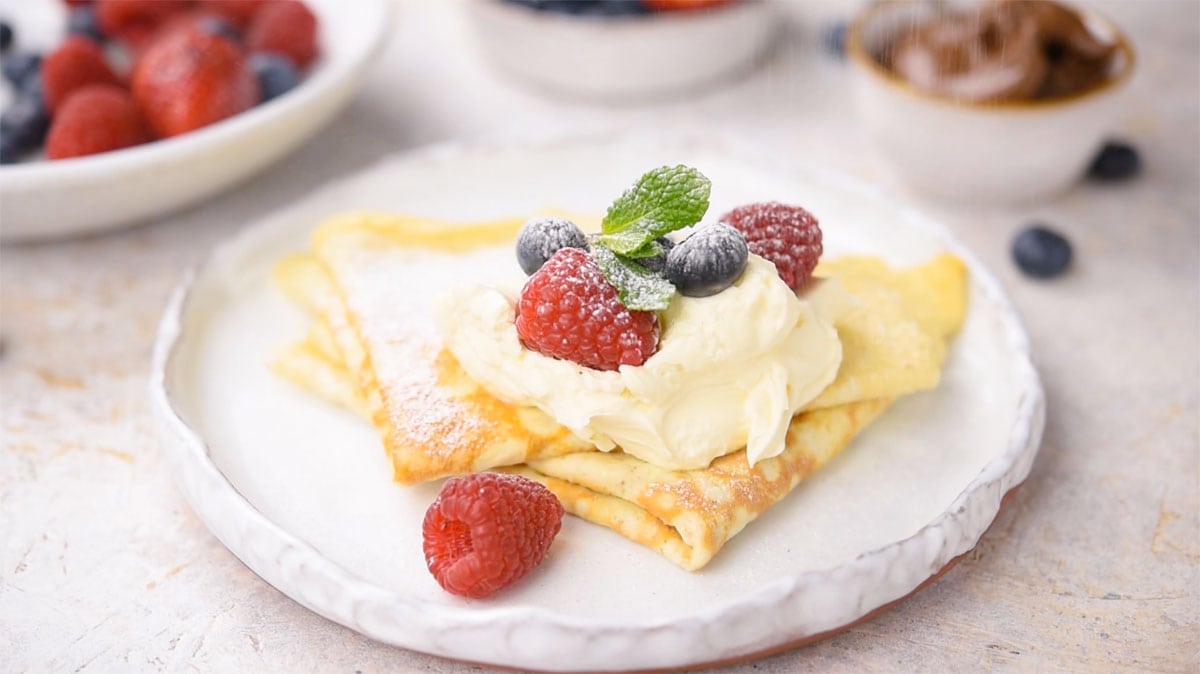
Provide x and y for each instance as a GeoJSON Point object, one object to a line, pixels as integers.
{"type": "Point", "coordinates": [368, 281]}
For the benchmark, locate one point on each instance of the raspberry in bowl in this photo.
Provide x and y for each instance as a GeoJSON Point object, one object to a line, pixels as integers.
{"type": "Point", "coordinates": [1006, 103]}
{"type": "Point", "coordinates": [239, 109]}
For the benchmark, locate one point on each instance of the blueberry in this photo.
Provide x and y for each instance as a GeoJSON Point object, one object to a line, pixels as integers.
{"type": "Point", "coordinates": [6, 36]}
{"type": "Point", "coordinates": [834, 39]}
{"type": "Point", "coordinates": [21, 65]}
{"type": "Point", "coordinates": [1041, 252]}
{"type": "Point", "coordinates": [219, 27]}
{"type": "Point", "coordinates": [708, 261]}
{"type": "Point", "coordinates": [82, 21]}
{"type": "Point", "coordinates": [1116, 161]}
{"type": "Point", "coordinates": [657, 263]}
{"type": "Point", "coordinates": [8, 150]}
{"type": "Point", "coordinates": [540, 238]}
{"type": "Point", "coordinates": [276, 74]}
{"type": "Point", "coordinates": [614, 8]}
{"type": "Point", "coordinates": [24, 124]}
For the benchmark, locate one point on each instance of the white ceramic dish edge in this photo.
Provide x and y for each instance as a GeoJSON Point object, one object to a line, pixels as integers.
{"type": "Point", "coordinates": [614, 58]}
{"type": "Point", "coordinates": [877, 578]}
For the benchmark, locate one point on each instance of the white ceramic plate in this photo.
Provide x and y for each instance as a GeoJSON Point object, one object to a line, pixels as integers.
{"type": "Point", "coordinates": [45, 200]}
{"type": "Point", "coordinates": [620, 57]}
{"type": "Point", "coordinates": [301, 490]}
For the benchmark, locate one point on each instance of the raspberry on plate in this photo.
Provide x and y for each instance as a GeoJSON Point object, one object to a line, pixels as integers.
{"type": "Point", "coordinates": [788, 236]}
{"type": "Point", "coordinates": [568, 310]}
{"type": "Point", "coordinates": [96, 118]}
{"type": "Point", "coordinates": [286, 27]}
{"type": "Point", "coordinates": [77, 62]}
{"type": "Point", "coordinates": [191, 78]}
{"type": "Point", "coordinates": [487, 530]}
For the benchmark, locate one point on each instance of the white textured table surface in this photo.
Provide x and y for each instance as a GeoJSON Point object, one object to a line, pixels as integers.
{"type": "Point", "coordinates": [1095, 564]}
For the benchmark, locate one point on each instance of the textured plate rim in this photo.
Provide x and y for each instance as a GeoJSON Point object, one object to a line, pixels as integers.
{"type": "Point", "coordinates": [301, 572]}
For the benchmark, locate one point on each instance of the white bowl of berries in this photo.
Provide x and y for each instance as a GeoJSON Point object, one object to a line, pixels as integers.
{"type": "Point", "coordinates": [146, 107]}
{"type": "Point", "coordinates": [615, 49]}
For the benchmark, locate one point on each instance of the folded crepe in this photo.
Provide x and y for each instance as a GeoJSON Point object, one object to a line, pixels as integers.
{"type": "Point", "coordinates": [369, 280]}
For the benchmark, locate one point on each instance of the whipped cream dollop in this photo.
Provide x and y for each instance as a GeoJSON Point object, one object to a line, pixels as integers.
{"type": "Point", "coordinates": [730, 372]}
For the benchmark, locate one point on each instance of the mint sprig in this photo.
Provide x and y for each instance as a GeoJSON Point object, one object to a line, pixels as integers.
{"type": "Point", "coordinates": [662, 201]}
{"type": "Point", "coordinates": [638, 288]}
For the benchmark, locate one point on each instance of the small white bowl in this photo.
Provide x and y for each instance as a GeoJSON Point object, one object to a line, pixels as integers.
{"type": "Point", "coordinates": [618, 57]}
{"type": "Point", "coordinates": [993, 153]}
{"type": "Point", "coordinates": [51, 199]}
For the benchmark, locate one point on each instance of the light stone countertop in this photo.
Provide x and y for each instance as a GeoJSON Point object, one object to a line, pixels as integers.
{"type": "Point", "coordinates": [1094, 565]}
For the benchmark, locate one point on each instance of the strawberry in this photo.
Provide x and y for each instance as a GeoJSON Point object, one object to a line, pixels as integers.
{"type": "Point", "coordinates": [134, 22]}
{"type": "Point", "coordinates": [285, 27]}
{"type": "Point", "coordinates": [787, 236]}
{"type": "Point", "coordinates": [77, 62]}
{"type": "Point", "coordinates": [568, 310]}
{"type": "Point", "coordinates": [487, 530]}
{"type": "Point", "coordinates": [189, 78]}
{"type": "Point", "coordinates": [95, 118]}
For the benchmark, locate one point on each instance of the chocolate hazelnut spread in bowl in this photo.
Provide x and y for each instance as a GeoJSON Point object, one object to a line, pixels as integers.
{"type": "Point", "coordinates": [998, 101]}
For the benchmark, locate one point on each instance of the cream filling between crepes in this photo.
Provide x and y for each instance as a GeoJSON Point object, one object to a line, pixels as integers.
{"type": "Point", "coordinates": [730, 372]}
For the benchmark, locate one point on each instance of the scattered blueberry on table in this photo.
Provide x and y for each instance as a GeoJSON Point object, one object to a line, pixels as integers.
{"type": "Point", "coordinates": [1116, 161]}
{"type": "Point", "coordinates": [1041, 252]}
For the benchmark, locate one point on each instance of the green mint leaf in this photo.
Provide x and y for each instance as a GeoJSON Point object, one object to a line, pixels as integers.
{"type": "Point", "coordinates": [662, 201]}
{"type": "Point", "coordinates": [638, 288]}
{"type": "Point", "coordinates": [652, 249]}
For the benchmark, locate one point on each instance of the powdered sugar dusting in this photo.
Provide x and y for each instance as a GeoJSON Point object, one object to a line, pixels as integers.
{"type": "Point", "coordinates": [390, 292]}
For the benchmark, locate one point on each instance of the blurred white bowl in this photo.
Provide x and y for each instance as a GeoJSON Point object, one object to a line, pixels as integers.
{"type": "Point", "coordinates": [995, 153]}
{"type": "Point", "coordinates": [53, 199]}
{"type": "Point", "coordinates": [617, 57]}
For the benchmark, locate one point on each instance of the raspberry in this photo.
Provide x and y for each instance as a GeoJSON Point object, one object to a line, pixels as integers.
{"type": "Point", "coordinates": [95, 118]}
{"type": "Point", "coordinates": [568, 310]}
{"type": "Point", "coordinates": [287, 28]}
{"type": "Point", "coordinates": [487, 530]}
{"type": "Point", "coordinates": [76, 63]}
{"type": "Point", "coordinates": [788, 236]}
{"type": "Point", "coordinates": [189, 78]}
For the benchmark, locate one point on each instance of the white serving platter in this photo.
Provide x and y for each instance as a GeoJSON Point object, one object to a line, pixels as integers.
{"type": "Point", "coordinates": [42, 200]}
{"type": "Point", "coordinates": [301, 490]}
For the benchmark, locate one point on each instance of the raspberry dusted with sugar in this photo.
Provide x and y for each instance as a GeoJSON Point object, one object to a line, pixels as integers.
{"type": "Point", "coordinates": [487, 530]}
{"type": "Point", "coordinates": [568, 310]}
{"type": "Point", "coordinates": [788, 236]}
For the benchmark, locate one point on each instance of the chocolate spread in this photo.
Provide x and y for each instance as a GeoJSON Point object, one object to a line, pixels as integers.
{"type": "Point", "coordinates": [1006, 50]}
